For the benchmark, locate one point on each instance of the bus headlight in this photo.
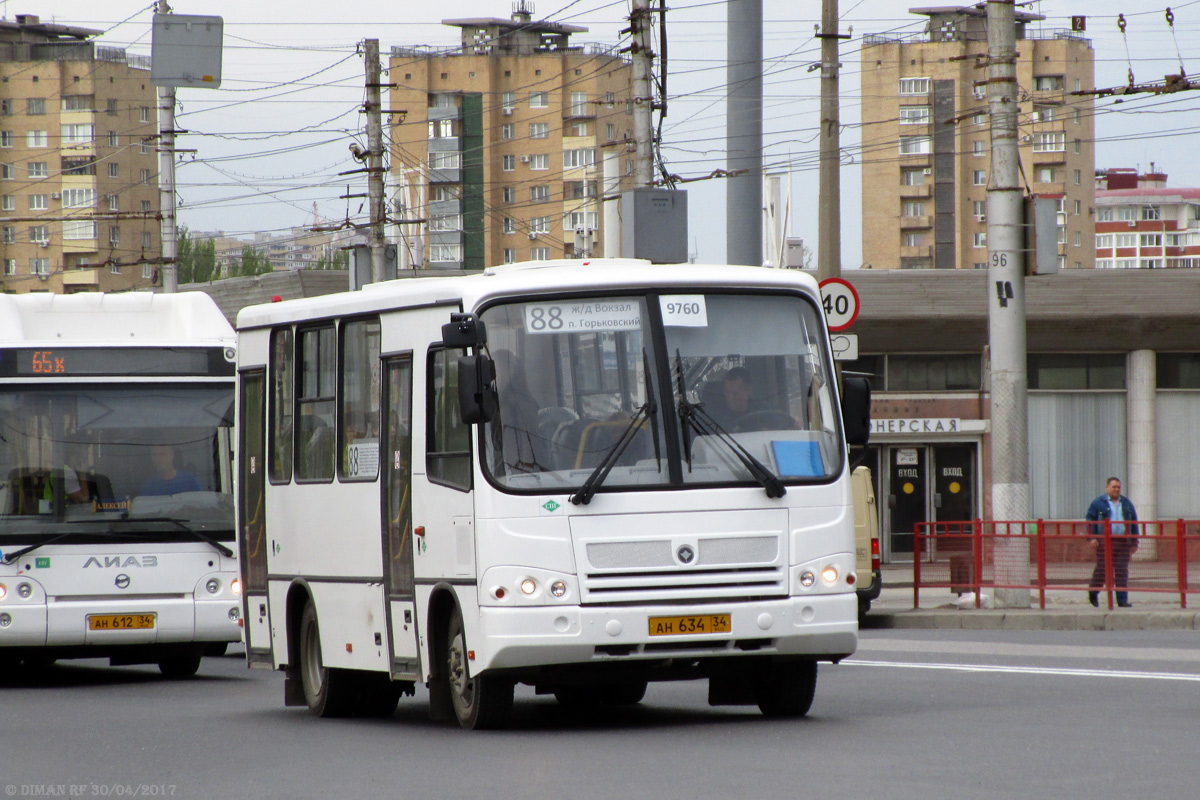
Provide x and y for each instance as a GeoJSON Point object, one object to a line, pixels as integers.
{"type": "Point", "coordinates": [529, 586]}
{"type": "Point", "coordinates": [3, 591]}
{"type": "Point", "coordinates": [829, 575]}
{"type": "Point", "coordinates": [24, 590]}
{"type": "Point", "coordinates": [235, 586]}
{"type": "Point", "coordinates": [213, 586]}
{"type": "Point", "coordinates": [807, 579]}
{"type": "Point", "coordinates": [558, 588]}
{"type": "Point", "coordinates": [5, 620]}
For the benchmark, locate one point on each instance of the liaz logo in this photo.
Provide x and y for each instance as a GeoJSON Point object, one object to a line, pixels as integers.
{"type": "Point", "coordinates": [117, 562]}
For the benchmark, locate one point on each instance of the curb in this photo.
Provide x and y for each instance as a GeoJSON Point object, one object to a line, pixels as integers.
{"type": "Point", "coordinates": [1034, 620]}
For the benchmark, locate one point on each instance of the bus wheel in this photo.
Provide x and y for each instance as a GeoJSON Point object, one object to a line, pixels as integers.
{"type": "Point", "coordinates": [328, 692]}
{"type": "Point", "coordinates": [482, 701]}
{"type": "Point", "coordinates": [179, 666]}
{"type": "Point", "coordinates": [786, 688]}
{"type": "Point", "coordinates": [625, 694]}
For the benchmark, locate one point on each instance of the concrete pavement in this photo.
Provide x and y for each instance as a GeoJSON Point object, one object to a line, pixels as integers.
{"type": "Point", "coordinates": [1065, 611]}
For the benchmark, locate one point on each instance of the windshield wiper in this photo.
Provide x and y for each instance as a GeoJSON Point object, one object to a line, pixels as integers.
{"type": "Point", "coordinates": [588, 490]}
{"type": "Point", "coordinates": [695, 417]}
{"type": "Point", "coordinates": [201, 535]}
{"type": "Point", "coordinates": [11, 557]}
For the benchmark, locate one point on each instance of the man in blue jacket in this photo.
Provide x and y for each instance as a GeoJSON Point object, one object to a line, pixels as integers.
{"type": "Point", "coordinates": [1115, 508]}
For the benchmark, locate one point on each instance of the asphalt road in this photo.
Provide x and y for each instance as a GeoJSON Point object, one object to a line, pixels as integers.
{"type": "Point", "coordinates": [915, 714]}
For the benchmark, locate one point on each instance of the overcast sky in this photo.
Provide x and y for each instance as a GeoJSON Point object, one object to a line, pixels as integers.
{"type": "Point", "coordinates": [270, 142]}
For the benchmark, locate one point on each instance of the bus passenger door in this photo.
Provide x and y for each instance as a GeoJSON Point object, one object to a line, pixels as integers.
{"type": "Point", "coordinates": [252, 528]}
{"type": "Point", "coordinates": [397, 517]}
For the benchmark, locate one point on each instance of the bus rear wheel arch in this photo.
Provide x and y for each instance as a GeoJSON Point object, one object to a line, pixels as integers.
{"type": "Point", "coordinates": [328, 692]}
{"type": "Point", "coordinates": [478, 701]}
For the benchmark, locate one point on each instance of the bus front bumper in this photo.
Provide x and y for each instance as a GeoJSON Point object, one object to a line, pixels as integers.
{"type": "Point", "coordinates": [823, 627]}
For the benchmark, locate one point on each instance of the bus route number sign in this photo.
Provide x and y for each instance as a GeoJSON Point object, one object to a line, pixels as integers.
{"type": "Point", "coordinates": [840, 302]}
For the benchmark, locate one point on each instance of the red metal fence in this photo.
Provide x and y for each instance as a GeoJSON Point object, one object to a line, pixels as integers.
{"type": "Point", "coordinates": [1046, 555]}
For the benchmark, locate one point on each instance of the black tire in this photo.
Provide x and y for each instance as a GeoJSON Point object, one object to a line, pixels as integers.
{"type": "Point", "coordinates": [625, 694]}
{"type": "Point", "coordinates": [577, 697]}
{"type": "Point", "coordinates": [480, 702]}
{"type": "Point", "coordinates": [179, 666]}
{"type": "Point", "coordinates": [328, 692]}
{"type": "Point", "coordinates": [216, 648]}
{"type": "Point", "coordinates": [864, 605]}
{"type": "Point", "coordinates": [786, 688]}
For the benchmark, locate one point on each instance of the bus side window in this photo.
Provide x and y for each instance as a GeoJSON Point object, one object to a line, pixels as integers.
{"type": "Point", "coordinates": [447, 438]}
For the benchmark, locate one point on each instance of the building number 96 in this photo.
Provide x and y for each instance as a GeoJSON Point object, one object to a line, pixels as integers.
{"type": "Point", "coordinates": [999, 259]}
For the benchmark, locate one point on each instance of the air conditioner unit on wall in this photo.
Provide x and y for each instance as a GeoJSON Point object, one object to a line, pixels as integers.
{"type": "Point", "coordinates": [524, 159]}
{"type": "Point", "coordinates": [56, 195]}
{"type": "Point", "coordinates": [928, 171]}
{"type": "Point", "coordinates": [506, 112]}
{"type": "Point", "coordinates": [533, 236]}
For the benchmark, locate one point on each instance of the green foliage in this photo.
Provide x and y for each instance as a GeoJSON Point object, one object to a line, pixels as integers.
{"type": "Point", "coordinates": [251, 263]}
{"type": "Point", "coordinates": [196, 258]}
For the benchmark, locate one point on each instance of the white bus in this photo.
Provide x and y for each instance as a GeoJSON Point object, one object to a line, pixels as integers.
{"type": "Point", "coordinates": [116, 500]}
{"type": "Point", "coordinates": [581, 476]}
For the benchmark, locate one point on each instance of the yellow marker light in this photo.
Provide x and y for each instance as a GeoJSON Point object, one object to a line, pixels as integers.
{"type": "Point", "coordinates": [236, 586]}
{"type": "Point", "coordinates": [529, 586]}
{"type": "Point", "coordinates": [829, 574]}
{"type": "Point", "coordinates": [3, 591]}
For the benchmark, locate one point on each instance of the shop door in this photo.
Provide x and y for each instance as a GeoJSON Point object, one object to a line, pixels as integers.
{"type": "Point", "coordinates": [907, 497]}
{"type": "Point", "coordinates": [954, 482]}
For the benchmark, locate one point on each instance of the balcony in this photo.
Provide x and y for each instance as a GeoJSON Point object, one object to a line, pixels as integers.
{"type": "Point", "coordinates": [921, 190]}
{"type": "Point", "coordinates": [80, 277]}
{"type": "Point", "coordinates": [916, 251]}
{"type": "Point", "coordinates": [909, 223]}
{"type": "Point", "coordinates": [443, 112]}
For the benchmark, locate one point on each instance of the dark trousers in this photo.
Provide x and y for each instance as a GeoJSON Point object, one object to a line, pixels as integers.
{"type": "Point", "coordinates": [1122, 550]}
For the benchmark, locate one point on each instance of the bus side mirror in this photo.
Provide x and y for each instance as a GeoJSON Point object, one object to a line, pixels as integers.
{"type": "Point", "coordinates": [464, 330]}
{"type": "Point", "coordinates": [856, 410]}
{"type": "Point", "coordinates": [477, 400]}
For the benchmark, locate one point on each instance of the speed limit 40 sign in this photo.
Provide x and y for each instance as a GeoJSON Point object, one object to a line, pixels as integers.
{"type": "Point", "coordinates": [840, 302]}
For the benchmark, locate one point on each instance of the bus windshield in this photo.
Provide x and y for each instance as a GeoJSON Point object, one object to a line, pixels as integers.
{"type": "Point", "coordinates": [750, 398]}
{"type": "Point", "coordinates": [154, 457]}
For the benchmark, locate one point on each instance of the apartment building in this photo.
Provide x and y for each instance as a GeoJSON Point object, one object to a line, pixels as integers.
{"type": "Point", "coordinates": [297, 248]}
{"type": "Point", "coordinates": [926, 139]}
{"type": "Point", "coordinates": [1141, 223]}
{"type": "Point", "coordinates": [78, 162]}
{"type": "Point", "coordinates": [498, 144]}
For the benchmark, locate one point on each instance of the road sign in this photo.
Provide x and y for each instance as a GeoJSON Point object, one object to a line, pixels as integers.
{"type": "Point", "coordinates": [840, 302]}
{"type": "Point", "coordinates": [845, 346]}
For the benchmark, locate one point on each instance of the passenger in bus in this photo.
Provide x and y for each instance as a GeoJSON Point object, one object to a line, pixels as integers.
{"type": "Point", "coordinates": [516, 443]}
{"type": "Point", "coordinates": [168, 479]}
{"type": "Point", "coordinates": [736, 399]}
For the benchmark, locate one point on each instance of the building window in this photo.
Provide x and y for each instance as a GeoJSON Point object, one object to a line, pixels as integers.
{"type": "Point", "coordinates": [1151, 212]}
{"type": "Point", "coordinates": [39, 202]}
{"type": "Point", "coordinates": [78, 102]}
{"type": "Point", "coordinates": [508, 131]}
{"type": "Point", "coordinates": [912, 208]}
{"type": "Point", "coordinates": [610, 131]}
{"type": "Point", "coordinates": [1077, 208]}
{"type": "Point", "coordinates": [981, 239]}
{"type": "Point", "coordinates": [914, 115]}
{"type": "Point", "coordinates": [10, 234]}
{"type": "Point", "coordinates": [1127, 213]}
{"type": "Point", "coordinates": [1078, 239]}
{"type": "Point", "coordinates": [979, 91]}
{"type": "Point", "coordinates": [114, 235]}
{"type": "Point", "coordinates": [539, 254]}
{"type": "Point", "coordinates": [10, 266]}
{"type": "Point", "coordinates": [111, 106]}
{"type": "Point", "coordinates": [510, 225]}
{"type": "Point", "coordinates": [539, 99]}
{"type": "Point", "coordinates": [39, 234]}
{"type": "Point", "coordinates": [1077, 146]}
{"type": "Point", "coordinates": [979, 148]}
{"type": "Point", "coordinates": [8, 203]}
{"type": "Point", "coordinates": [913, 176]}
{"type": "Point", "coordinates": [509, 194]}
{"type": "Point", "coordinates": [1047, 83]}
{"type": "Point", "coordinates": [1069, 371]}
{"type": "Point", "coordinates": [914, 145]}
{"type": "Point", "coordinates": [509, 255]}
{"type": "Point", "coordinates": [445, 252]}
{"type": "Point", "coordinates": [539, 194]}
{"type": "Point", "coordinates": [539, 225]}
{"type": "Point", "coordinates": [539, 130]}
{"type": "Point", "coordinates": [1077, 177]}
{"type": "Point", "coordinates": [6, 138]}
{"type": "Point", "coordinates": [579, 190]}
{"type": "Point", "coordinates": [6, 107]}
{"type": "Point", "coordinates": [1126, 240]}
{"type": "Point", "coordinates": [147, 271]}
{"type": "Point", "coordinates": [1078, 116]}
{"type": "Point", "coordinates": [115, 268]}
{"type": "Point", "coordinates": [114, 170]}
{"type": "Point", "coordinates": [36, 139]}
{"type": "Point", "coordinates": [539, 161]}
{"type": "Point", "coordinates": [579, 104]}
{"type": "Point", "coordinates": [446, 222]}
{"type": "Point", "coordinates": [144, 114]}
{"type": "Point", "coordinates": [1150, 240]}
{"type": "Point", "coordinates": [508, 163]}
{"type": "Point", "coordinates": [441, 129]}
{"type": "Point", "coordinates": [1049, 142]}
{"type": "Point", "coordinates": [583, 157]}
{"type": "Point", "coordinates": [909, 86]}
{"type": "Point", "coordinates": [441, 194]}
{"type": "Point", "coordinates": [1104, 241]}
{"type": "Point", "coordinates": [1045, 174]}
{"type": "Point", "coordinates": [1104, 214]}
{"type": "Point", "coordinates": [979, 209]}
{"type": "Point", "coordinates": [508, 101]}
{"type": "Point", "coordinates": [914, 238]}
{"type": "Point", "coordinates": [77, 229]}
{"type": "Point", "coordinates": [78, 133]}
{"type": "Point", "coordinates": [145, 176]}
{"type": "Point", "coordinates": [934, 373]}
{"type": "Point", "coordinates": [1178, 370]}
{"type": "Point", "coordinates": [39, 266]}
{"type": "Point", "coordinates": [114, 139]}
{"type": "Point", "coordinates": [1151, 263]}
{"type": "Point", "coordinates": [35, 106]}
{"type": "Point", "coordinates": [979, 177]}
{"type": "Point", "coordinates": [1045, 113]}
{"type": "Point", "coordinates": [445, 160]}
{"type": "Point", "coordinates": [580, 129]}
{"type": "Point", "coordinates": [980, 119]}
{"type": "Point", "coordinates": [581, 219]}
{"type": "Point", "coordinates": [145, 206]}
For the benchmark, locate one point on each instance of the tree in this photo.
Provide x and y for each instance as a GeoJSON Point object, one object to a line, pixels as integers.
{"type": "Point", "coordinates": [251, 263]}
{"type": "Point", "coordinates": [184, 256]}
{"type": "Point", "coordinates": [340, 260]}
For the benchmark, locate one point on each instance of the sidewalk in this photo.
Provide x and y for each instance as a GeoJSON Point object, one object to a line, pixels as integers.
{"type": "Point", "coordinates": [1065, 611]}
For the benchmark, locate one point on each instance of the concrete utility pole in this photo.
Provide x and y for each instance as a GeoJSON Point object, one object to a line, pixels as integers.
{"type": "Point", "coordinates": [166, 178]}
{"type": "Point", "coordinates": [374, 110]}
{"type": "Point", "coordinates": [1006, 309]}
{"type": "Point", "coordinates": [743, 132]}
{"type": "Point", "coordinates": [643, 93]}
{"type": "Point", "coordinates": [829, 205]}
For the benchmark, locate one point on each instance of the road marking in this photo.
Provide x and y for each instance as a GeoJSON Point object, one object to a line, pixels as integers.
{"type": "Point", "coordinates": [976, 648]}
{"type": "Point", "coordinates": [1062, 671]}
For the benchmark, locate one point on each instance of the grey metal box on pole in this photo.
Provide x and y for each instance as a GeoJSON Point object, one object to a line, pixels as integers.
{"type": "Point", "coordinates": [186, 51]}
{"type": "Point", "coordinates": [1041, 236]}
{"type": "Point", "coordinates": [654, 225]}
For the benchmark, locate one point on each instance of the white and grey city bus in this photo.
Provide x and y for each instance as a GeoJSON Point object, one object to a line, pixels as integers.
{"type": "Point", "coordinates": [581, 476]}
{"type": "Point", "coordinates": [116, 479]}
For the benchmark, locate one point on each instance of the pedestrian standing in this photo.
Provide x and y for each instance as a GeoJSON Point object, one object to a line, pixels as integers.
{"type": "Point", "coordinates": [1118, 512]}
